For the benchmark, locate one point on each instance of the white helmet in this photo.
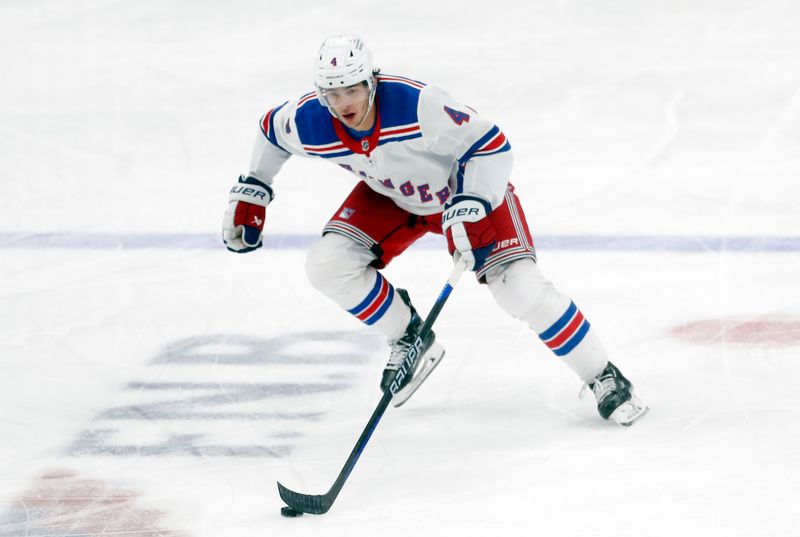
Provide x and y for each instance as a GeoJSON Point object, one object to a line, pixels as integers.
{"type": "Point", "coordinates": [342, 61]}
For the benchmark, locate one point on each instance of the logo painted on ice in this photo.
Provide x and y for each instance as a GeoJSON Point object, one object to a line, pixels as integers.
{"type": "Point", "coordinates": [186, 404]}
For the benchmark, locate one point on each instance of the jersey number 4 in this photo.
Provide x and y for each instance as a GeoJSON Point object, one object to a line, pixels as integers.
{"type": "Point", "coordinates": [457, 117]}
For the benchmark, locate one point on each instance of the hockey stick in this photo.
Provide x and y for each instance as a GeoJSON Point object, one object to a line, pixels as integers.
{"type": "Point", "coordinates": [319, 504]}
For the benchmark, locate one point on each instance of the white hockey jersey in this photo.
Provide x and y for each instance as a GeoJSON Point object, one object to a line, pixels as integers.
{"type": "Point", "coordinates": [425, 146]}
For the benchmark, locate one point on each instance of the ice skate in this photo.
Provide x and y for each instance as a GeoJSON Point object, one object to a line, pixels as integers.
{"type": "Point", "coordinates": [413, 367]}
{"type": "Point", "coordinates": [615, 398]}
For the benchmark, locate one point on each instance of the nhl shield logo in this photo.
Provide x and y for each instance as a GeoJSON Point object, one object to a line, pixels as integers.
{"type": "Point", "coordinates": [365, 144]}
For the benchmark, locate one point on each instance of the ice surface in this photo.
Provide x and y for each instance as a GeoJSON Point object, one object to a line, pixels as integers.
{"type": "Point", "coordinates": [164, 390]}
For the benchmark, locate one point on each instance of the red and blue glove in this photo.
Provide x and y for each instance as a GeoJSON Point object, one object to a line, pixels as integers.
{"type": "Point", "coordinates": [468, 230]}
{"type": "Point", "coordinates": [243, 222]}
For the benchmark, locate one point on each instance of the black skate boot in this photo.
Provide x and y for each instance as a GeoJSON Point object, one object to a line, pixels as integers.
{"type": "Point", "coordinates": [413, 367]}
{"type": "Point", "coordinates": [615, 399]}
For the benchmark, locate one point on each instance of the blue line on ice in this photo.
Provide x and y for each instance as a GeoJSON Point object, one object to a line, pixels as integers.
{"type": "Point", "coordinates": [201, 241]}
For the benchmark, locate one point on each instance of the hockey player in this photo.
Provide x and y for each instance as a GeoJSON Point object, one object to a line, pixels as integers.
{"type": "Point", "coordinates": [426, 164]}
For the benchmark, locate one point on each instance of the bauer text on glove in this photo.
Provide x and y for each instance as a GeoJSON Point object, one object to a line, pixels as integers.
{"type": "Point", "coordinates": [243, 222]}
{"type": "Point", "coordinates": [468, 229]}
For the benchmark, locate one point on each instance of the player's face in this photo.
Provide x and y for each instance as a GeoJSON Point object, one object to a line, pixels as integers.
{"type": "Point", "coordinates": [350, 104]}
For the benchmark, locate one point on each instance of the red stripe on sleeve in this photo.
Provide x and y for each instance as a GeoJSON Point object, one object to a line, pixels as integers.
{"type": "Point", "coordinates": [265, 122]}
{"type": "Point", "coordinates": [496, 143]}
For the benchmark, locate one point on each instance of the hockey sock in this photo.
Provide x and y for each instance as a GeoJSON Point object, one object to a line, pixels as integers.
{"type": "Point", "coordinates": [572, 339]}
{"type": "Point", "coordinates": [382, 308]}
{"type": "Point", "coordinates": [524, 293]}
{"type": "Point", "coordinates": [340, 268]}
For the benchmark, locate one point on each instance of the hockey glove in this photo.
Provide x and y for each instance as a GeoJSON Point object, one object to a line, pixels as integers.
{"type": "Point", "coordinates": [244, 219]}
{"type": "Point", "coordinates": [468, 230]}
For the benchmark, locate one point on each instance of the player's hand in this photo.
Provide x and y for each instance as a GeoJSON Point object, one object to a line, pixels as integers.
{"type": "Point", "coordinates": [244, 220]}
{"type": "Point", "coordinates": [468, 230]}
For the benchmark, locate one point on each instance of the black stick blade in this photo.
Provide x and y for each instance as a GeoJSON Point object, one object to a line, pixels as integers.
{"type": "Point", "coordinates": [305, 503]}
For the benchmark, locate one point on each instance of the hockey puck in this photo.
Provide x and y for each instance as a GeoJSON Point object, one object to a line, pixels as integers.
{"type": "Point", "coordinates": [289, 512]}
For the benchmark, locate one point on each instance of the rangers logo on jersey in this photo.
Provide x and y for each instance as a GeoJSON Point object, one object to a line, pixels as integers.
{"type": "Point", "coordinates": [422, 146]}
{"type": "Point", "coordinates": [346, 213]}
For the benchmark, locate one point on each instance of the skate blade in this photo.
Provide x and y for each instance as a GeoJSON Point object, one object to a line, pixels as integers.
{"type": "Point", "coordinates": [628, 412]}
{"type": "Point", "coordinates": [431, 359]}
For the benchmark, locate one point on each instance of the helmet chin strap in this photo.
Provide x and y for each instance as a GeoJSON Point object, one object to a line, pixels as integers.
{"type": "Point", "coordinates": [366, 114]}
